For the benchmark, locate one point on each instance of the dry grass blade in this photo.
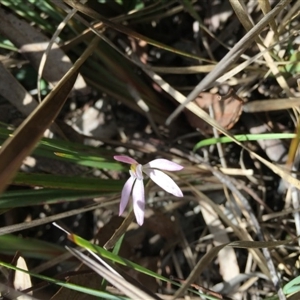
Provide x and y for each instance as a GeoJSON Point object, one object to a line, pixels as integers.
{"type": "Point", "coordinates": [26, 225]}
{"type": "Point", "coordinates": [183, 70]}
{"type": "Point", "coordinates": [243, 16]}
{"type": "Point", "coordinates": [48, 49]}
{"type": "Point", "coordinates": [293, 13]}
{"type": "Point", "coordinates": [241, 12]}
{"type": "Point", "coordinates": [25, 138]}
{"type": "Point", "coordinates": [271, 105]}
{"type": "Point", "coordinates": [230, 57]}
{"type": "Point", "coordinates": [266, 7]}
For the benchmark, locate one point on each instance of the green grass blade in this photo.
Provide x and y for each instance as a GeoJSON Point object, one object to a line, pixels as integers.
{"type": "Point", "coordinates": [292, 287]}
{"type": "Point", "coordinates": [88, 161]}
{"type": "Point", "coordinates": [244, 138]}
{"type": "Point", "coordinates": [113, 257]}
{"type": "Point", "coordinates": [23, 198]}
{"type": "Point", "coordinates": [72, 152]}
{"type": "Point", "coordinates": [29, 247]}
{"type": "Point", "coordinates": [70, 183]}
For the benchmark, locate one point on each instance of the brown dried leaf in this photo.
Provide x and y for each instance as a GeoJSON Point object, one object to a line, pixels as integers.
{"type": "Point", "coordinates": [226, 110]}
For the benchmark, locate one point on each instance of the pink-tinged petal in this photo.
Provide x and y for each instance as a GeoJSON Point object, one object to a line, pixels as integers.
{"type": "Point", "coordinates": [164, 181]}
{"type": "Point", "coordinates": [138, 197]}
{"type": "Point", "coordinates": [125, 159]}
{"type": "Point", "coordinates": [163, 164]}
{"type": "Point", "coordinates": [126, 194]}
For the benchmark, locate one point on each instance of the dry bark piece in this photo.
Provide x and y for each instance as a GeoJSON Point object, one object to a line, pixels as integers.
{"type": "Point", "coordinates": [226, 110]}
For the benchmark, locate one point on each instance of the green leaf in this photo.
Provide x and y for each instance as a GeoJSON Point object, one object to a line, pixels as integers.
{"type": "Point", "coordinates": [29, 247]}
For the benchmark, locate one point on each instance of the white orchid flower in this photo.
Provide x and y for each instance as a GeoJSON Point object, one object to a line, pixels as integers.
{"type": "Point", "coordinates": [136, 185]}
